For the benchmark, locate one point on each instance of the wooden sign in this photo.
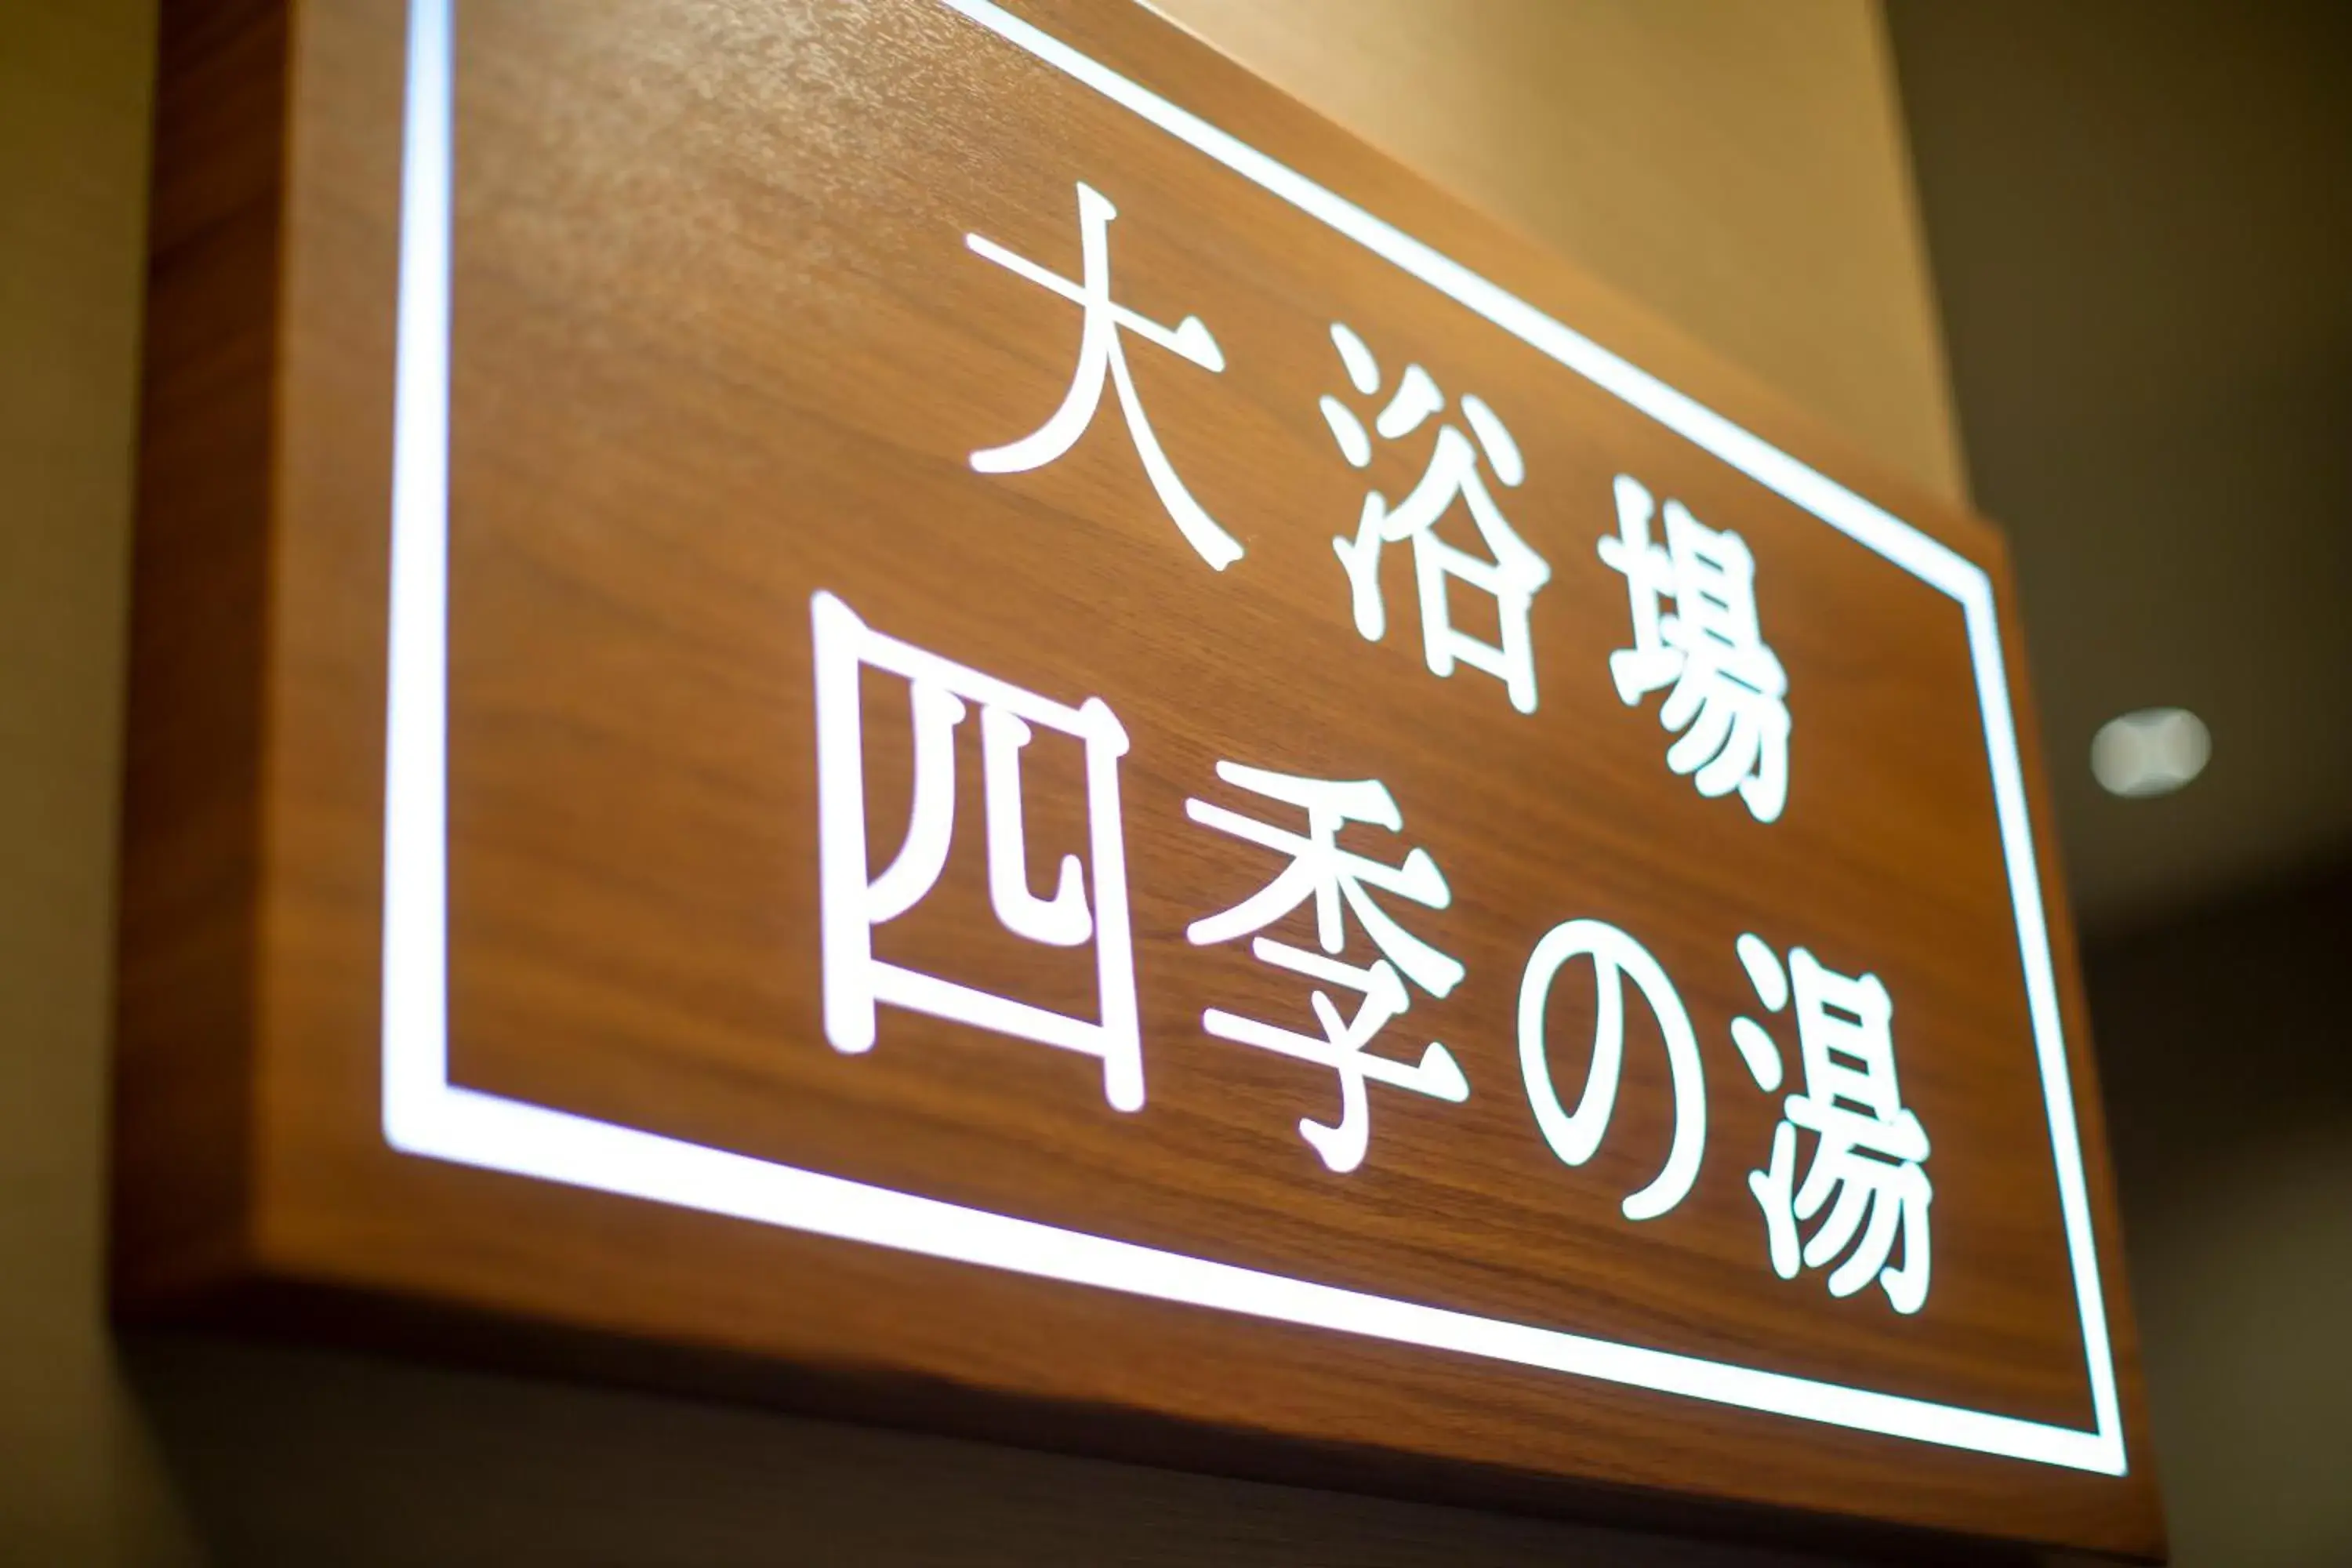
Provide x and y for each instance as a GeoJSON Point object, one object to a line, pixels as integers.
{"type": "Point", "coordinates": [937, 695]}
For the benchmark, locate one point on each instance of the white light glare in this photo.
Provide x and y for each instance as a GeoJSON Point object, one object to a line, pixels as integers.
{"type": "Point", "coordinates": [2153, 751]}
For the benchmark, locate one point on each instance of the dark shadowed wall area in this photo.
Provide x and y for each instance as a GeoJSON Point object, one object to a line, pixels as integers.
{"type": "Point", "coordinates": [2140, 216]}
{"type": "Point", "coordinates": [2229, 1098]}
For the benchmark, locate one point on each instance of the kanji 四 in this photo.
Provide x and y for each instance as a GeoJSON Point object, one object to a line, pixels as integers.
{"type": "Point", "coordinates": [1619, 963]}
{"type": "Point", "coordinates": [853, 901]}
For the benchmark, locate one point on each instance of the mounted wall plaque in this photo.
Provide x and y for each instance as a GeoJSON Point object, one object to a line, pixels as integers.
{"type": "Point", "coordinates": [936, 700]}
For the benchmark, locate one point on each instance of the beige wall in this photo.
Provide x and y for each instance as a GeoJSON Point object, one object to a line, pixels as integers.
{"type": "Point", "coordinates": [79, 1482]}
{"type": "Point", "coordinates": [1735, 165]}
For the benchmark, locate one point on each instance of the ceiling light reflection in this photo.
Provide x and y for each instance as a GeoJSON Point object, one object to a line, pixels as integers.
{"type": "Point", "coordinates": [2153, 751]}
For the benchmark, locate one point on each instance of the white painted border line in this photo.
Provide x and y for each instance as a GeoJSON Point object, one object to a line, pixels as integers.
{"type": "Point", "coordinates": [424, 1114]}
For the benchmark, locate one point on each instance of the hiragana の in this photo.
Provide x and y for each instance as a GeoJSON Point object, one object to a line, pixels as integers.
{"type": "Point", "coordinates": [1618, 961]}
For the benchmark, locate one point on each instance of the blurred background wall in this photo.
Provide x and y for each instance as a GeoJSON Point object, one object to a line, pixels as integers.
{"type": "Point", "coordinates": [2140, 213]}
{"type": "Point", "coordinates": [1742, 168]}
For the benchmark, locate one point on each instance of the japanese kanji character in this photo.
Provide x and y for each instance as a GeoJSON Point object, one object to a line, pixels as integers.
{"type": "Point", "coordinates": [1102, 355]}
{"type": "Point", "coordinates": [1728, 685]}
{"type": "Point", "coordinates": [1867, 1147]}
{"type": "Point", "coordinates": [853, 903]}
{"type": "Point", "coordinates": [1453, 474]}
{"type": "Point", "coordinates": [1340, 882]}
{"type": "Point", "coordinates": [1575, 1135]}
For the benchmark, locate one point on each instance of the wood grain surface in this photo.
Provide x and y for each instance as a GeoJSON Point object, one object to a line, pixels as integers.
{"type": "Point", "coordinates": [719, 344]}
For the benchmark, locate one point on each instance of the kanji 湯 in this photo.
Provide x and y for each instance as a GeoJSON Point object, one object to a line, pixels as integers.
{"type": "Point", "coordinates": [1867, 1147]}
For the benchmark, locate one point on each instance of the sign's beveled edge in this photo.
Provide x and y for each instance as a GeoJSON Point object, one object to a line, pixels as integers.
{"type": "Point", "coordinates": [424, 1114]}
